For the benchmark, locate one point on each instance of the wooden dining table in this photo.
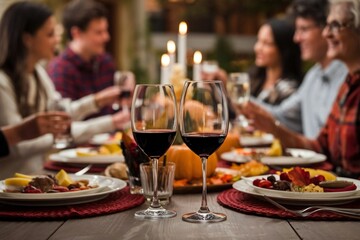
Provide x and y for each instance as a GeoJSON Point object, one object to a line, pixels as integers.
{"type": "Point", "coordinates": [123, 225]}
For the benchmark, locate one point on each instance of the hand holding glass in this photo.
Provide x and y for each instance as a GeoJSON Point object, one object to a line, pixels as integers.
{"type": "Point", "coordinates": [204, 122]}
{"type": "Point", "coordinates": [238, 88]}
{"type": "Point", "coordinates": [63, 139]}
{"type": "Point", "coordinates": [126, 81]}
{"type": "Point", "coordinates": [154, 124]}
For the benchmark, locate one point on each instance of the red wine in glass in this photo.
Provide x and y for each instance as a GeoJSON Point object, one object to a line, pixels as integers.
{"type": "Point", "coordinates": [203, 144]}
{"type": "Point", "coordinates": [154, 125]}
{"type": "Point", "coordinates": [154, 142]}
{"type": "Point", "coordinates": [204, 121]}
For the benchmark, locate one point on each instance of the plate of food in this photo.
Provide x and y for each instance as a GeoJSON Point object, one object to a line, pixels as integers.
{"type": "Point", "coordinates": [61, 189]}
{"type": "Point", "coordinates": [105, 154]}
{"type": "Point", "coordinates": [106, 138]}
{"type": "Point", "coordinates": [244, 187]}
{"type": "Point", "coordinates": [242, 155]}
{"type": "Point", "coordinates": [256, 139]}
{"type": "Point", "coordinates": [304, 184]}
{"type": "Point", "coordinates": [223, 178]}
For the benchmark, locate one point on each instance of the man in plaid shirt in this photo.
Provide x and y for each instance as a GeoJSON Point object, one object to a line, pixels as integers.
{"type": "Point", "coordinates": [84, 67]}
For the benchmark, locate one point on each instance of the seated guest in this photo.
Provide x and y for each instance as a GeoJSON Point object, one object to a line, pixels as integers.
{"type": "Point", "coordinates": [25, 87]}
{"type": "Point", "coordinates": [277, 71]}
{"type": "Point", "coordinates": [84, 67]}
{"type": "Point", "coordinates": [339, 139]}
{"type": "Point", "coordinates": [307, 109]}
{"type": "Point", "coordinates": [32, 127]}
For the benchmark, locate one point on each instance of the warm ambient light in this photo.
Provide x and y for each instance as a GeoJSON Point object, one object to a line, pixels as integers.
{"type": "Point", "coordinates": [165, 60]}
{"type": "Point", "coordinates": [171, 47]}
{"type": "Point", "coordinates": [182, 28]}
{"type": "Point", "coordinates": [197, 57]}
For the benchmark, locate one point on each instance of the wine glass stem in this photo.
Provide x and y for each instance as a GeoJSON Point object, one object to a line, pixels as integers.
{"type": "Point", "coordinates": [204, 208]}
{"type": "Point", "coordinates": [155, 200]}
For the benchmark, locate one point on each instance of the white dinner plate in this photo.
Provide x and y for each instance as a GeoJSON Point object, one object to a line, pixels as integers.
{"type": "Point", "coordinates": [294, 198]}
{"type": "Point", "coordinates": [300, 157]}
{"type": "Point", "coordinates": [253, 141]}
{"type": "Point", "coordinates": [70, 156]}
{"type": "Point", "coordinates": [107, 185]}
{"type": "Point", "coordinates": [235, 157]}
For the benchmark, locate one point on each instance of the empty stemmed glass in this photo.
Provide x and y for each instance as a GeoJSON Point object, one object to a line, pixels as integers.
{"type": "Point", "coordinates": [238, 88]}
{"type": "Point", "coordinates": [204, 121]}
{"type": "Point", "coordinates": [154, 124]}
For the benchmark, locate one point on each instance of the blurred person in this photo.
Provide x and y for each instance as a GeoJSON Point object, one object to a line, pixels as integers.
{"type": "Point", "coordinates": [25, 87]}
{"type": "Point", "coordinates": [277, 72]}
{"type": "Point", "coordinates": [339, 139]}
{"type": "Point", "coordinates": [32, 127]}
{"type": "Point", "coordinates": [84, 67]}
{"type": "Point", "coordinates": [307, 109]}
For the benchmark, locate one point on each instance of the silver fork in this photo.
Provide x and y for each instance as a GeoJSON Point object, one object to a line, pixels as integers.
{"type": "Point", "coordinates": [83, 171]}
{"type": "Point", "coordinates": [352, 213]}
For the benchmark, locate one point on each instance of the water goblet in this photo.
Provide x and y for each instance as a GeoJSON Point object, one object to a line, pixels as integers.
{"type": "Point", "coordinates": [238, 88]}
{"type": "Point", "coordinates": [204, 122]}
{"type": "Point", "coordinates": [62, 139]}
{"type": "Point", "coordinates": [154, 124]}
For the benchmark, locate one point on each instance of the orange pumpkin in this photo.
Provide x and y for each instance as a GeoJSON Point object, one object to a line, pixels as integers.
{"type": "Point", "coordinates": [232, 141]}
{"type": "Point", "coordinates": [188, 164]}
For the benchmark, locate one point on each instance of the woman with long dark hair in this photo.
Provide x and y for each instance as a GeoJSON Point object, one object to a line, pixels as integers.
{"type": "Point", "coordinates": [27, 35]}
{"type": "Point", "coordinates": [277, 72]}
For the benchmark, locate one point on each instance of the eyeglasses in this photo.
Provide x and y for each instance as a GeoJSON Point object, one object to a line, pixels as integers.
{"type": "Point", "coordinates": [336, 26]}
{"type": "Point", "coordinates": [305, 29]}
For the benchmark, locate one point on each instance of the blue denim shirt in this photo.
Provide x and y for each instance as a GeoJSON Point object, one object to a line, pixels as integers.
{"type": "Point", "coordinates": [307, 109]}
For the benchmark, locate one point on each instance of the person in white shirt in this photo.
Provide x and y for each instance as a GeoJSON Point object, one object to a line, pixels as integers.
{"type": "Point", "coordinates": [25, 87]}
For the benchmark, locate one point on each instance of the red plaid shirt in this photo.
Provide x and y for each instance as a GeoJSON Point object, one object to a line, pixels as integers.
{"type": "Point", "coordinates": [340, 137]}
{"type": "Point", "coordinates": [75, 78]}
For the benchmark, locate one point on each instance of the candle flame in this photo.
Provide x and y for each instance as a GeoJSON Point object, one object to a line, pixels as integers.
{"type": "Point", "coordinates": [165, 60]}
{"type": "Point", "coordinates": [197, 57]}
{"type": "Point", "coordinates": [182, 28]}
{"type": "Point", "coordinates": [171, 47]}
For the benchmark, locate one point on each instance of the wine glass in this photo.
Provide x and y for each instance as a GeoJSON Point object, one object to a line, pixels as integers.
{"type": "Point", "coordinates": [204, 122]}
{"type": "Point", "coordinates": [154, 124]}
{"type": "Point", "coordinates": [238, 88]}
{"type": "Point", "coordinates": [126, 81]}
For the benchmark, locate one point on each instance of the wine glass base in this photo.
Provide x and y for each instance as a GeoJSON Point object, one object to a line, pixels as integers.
{"type": "Point", "coordinates": [209, 217]}
{"type": "Point", "coordinates": [155, 213]}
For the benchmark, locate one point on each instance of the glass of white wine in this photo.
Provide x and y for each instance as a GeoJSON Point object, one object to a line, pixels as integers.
{"type": "Point", "coordinates": [238, 88]}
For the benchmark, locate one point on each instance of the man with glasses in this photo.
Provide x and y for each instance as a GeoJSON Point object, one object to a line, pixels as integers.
{"type": "Point", "coordinates": [339, 139]}
{"type": "Point", "coordinates": [307, 109]}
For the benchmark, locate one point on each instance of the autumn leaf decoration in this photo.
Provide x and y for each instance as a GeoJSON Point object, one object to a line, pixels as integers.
{"type": "Point", "coordinates": [299, 177]}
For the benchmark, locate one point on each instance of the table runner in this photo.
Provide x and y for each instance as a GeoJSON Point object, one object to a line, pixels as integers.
{"type": "Point", "coordinates": [115, 202]}
{"type": "Point", "coordinates": [245, 203]}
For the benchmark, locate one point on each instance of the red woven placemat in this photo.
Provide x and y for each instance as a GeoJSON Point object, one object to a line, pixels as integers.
{"type": "Point", "coordinates": [48, 165]}
{"type": "Point", "coordinates": [115, 202]}
{"type": "Point", "coordinates": [246, 203]}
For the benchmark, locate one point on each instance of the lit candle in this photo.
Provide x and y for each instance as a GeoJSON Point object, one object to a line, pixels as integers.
{"type": "Point", "coordinates": [171, 48]}
{"type": "Point", "coordinates": [197, 66]}
{"type": "Point", "coordinates": [182, 45]}
{"type": "Point", "coordinates": [165, 61]}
